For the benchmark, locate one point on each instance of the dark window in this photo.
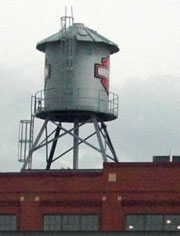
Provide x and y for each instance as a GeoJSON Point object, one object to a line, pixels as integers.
{"type": "Point", "coordinates": [153, 222]}
{"type": "Point", "coordinates": [71, 222]}
{"type": "Point", "coordinates": [8, 223]}
{"type": "Point", "coordinates": [47, 71]}
{"type": "Point", "coordinates": [89, 223]}
{"type": "Point", "coordinates": [135, 222]}
{"type": "Point", "coordinates": [172, 222]}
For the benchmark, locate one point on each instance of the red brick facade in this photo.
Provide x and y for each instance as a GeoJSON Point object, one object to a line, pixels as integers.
{"type": "Point", "coordinates": [117, 190]}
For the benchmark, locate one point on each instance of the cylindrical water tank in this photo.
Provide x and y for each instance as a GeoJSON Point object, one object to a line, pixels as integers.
{"type": "Point", "coordinates": [76, 83]}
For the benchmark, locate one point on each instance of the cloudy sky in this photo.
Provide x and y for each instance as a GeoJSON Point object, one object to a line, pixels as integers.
{"type": "Point", "coordinates": [145, 73]}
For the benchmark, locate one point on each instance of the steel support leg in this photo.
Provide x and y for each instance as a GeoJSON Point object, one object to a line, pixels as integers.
{"type": "Point", "coordinates": [76, 145]}
{"type": "Point", "coordinates": [53, 148]}
{"type": "Point", "coordinates": [109, 143]}
{"type": "Point", "coordinates": [96, 126]}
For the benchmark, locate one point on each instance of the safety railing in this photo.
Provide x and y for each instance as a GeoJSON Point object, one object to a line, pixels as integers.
{"type": "Point", "coordinates": [77, 98]}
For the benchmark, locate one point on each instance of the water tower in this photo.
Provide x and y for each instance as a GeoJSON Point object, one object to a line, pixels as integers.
{"type": "Point", "coordinates": [76, 91]}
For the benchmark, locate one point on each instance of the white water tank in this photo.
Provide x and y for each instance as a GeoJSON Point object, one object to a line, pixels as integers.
{"type": "Point", "coordinates": [77, 66]}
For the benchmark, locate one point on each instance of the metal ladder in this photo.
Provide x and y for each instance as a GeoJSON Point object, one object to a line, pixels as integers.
{"type": "Point", "coordinates": [26, 132]}
{"type": "Point", "coordinates": [67, 44]}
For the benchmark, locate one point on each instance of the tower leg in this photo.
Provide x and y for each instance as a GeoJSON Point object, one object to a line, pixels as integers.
{"type": "Point", "coordinates": [108, 141]}
{"type": "Point", "coordinates": [53, 148]}
{"type": "Point", "coordinates": [96, 126]}
{"type": "Point", "coordinates": [76, 145]}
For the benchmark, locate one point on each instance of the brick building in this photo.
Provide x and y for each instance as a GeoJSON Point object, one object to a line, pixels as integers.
{"type": "Point", "coordinates": [122, 198]}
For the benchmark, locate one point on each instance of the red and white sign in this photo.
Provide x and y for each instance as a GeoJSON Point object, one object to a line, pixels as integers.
{"type": "Point", "coordinates": [102, 72]}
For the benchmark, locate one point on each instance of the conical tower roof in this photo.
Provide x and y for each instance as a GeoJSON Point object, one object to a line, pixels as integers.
{"type": "Point", "coordinates": [81, 33]}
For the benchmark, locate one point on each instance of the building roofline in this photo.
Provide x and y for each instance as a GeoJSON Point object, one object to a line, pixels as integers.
{"type": "Point", "coordinates": [141, 164]}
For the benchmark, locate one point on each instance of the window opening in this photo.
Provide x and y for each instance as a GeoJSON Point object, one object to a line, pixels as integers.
{"type": "Point", "coordinates": [71, 222]}
{"type": "Point", "coordinates": [8, 223]}
{"type": "Point", "coordinates": [153, 222]}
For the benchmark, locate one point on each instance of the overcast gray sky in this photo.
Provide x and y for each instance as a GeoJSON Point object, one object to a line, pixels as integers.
{"type": "Point", "coordinates": [145, 73]}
